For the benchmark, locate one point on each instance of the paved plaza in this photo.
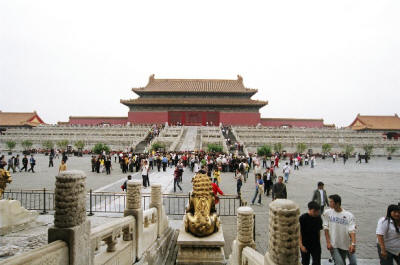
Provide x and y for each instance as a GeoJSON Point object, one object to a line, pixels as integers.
{"type": "Point", "coordinates": [366, 191]}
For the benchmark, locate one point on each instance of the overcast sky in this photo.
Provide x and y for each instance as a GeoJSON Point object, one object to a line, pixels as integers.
{"type": "Point", "coordinates": [309, 59]}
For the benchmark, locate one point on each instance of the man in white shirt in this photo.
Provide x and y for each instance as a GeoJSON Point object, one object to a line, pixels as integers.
{"type": "Point", "coordinates": [145, 174]}
{"type": "Point", "coordinates": [340, 232]}
{"type": "Point", "coordinates": [286, 172]}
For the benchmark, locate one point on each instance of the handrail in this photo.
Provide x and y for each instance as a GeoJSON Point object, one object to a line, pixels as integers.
{"type": "Point", "coordinates": [105, 230]}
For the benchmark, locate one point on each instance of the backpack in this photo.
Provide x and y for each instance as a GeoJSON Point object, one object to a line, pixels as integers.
{"type": "Point", "coordinates": [123, 186]}
{"type": "Point", "coordinates": [241, 167]}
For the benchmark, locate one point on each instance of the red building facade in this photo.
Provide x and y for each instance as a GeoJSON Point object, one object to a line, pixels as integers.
{"type": "Point", "coordinates": [194, 102]}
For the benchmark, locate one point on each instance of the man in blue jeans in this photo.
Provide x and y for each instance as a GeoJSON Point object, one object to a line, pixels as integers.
{"type": "Point", "coordinates": [340, 232]}
{"type": "Point", "coordinates": [259, 189]}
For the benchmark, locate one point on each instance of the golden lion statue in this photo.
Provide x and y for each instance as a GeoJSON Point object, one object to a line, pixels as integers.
{"type": "Point", "coordinates": [201, 218]}
{"type": "Point", "coordinates": [5, 177]}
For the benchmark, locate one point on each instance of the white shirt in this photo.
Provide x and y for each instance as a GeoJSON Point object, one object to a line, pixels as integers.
{"type": "Point", "coordinates": [321, 192]}
{"type": "Point", "coordinates": [145, 170]}
{"type": "Point", "coordinates": [390, 236]}
{"type": "Point", "coordinates": [339, 224]}
{"type": "Point", "coordinates": [286, 169]}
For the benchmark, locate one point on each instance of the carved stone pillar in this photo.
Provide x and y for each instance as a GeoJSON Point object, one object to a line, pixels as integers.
{"type": "Point", "coordinates": [284, 229]}
{"type": "Point", "coordinates": [70, 224]}
{"type": "Point", "coordinates": [134, 208]}
{"type": "Point", "coordinates": [245, 226]}
{"type": "Point", "coordinates": [156, 202]}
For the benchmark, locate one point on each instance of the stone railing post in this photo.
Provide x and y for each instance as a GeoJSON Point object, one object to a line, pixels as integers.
{"type": "Point", "coordinates": [70, 224]}
{"type": "Point", "coordinates": [245, 226]}
{"type": "Point", "coordinates": [134, 208]}
{"type": "Point", "coordinates": [156, 202]}
{"type": "Point", "coordinates": [284, 229]}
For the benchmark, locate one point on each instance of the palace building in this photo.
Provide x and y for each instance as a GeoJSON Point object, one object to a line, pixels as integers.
{"type": "Point", "coordinates": [194, 102]}
{"type": "Point", "coordinates": [389, 126]}
{"type": "Point", "coordinates": [19, 119]}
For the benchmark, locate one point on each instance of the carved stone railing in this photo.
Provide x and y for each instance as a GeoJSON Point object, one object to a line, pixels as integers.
{"type": "Point", "coordinates": [118, 237]}
{"type": "Point", "coordinates": [55, 253]}
{"type": "Point", "coordinates": [140, 235]}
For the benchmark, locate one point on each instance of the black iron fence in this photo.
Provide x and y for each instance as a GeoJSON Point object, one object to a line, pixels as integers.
{"type": "Point", "coordinates": [115, 202]}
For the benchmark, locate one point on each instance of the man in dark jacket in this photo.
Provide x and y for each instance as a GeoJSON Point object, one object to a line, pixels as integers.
{"type": "Point", "coordinates": [320, 197]}
{"type": "Point", "coordinates": [279, 190]}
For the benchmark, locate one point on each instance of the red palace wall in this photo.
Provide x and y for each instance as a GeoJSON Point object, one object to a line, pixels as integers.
{"type": "Point", "coordinates": [239, 118]}
{"type": "Point", "coordinates": [292, 123]}
{"type": "Point", "coordinates": [97, 121]}
{"type": "Point", "coordinates": [147, 117]}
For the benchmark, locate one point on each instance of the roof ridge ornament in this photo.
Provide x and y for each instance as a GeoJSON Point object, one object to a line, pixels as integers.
{"type": "Point", "coordinates": [240, 78]}
{"type": "Point", "coordinates": [151, 78]}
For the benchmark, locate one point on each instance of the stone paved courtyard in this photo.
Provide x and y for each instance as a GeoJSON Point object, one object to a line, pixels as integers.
{"type": "Point", "coordinates": [366, 190]}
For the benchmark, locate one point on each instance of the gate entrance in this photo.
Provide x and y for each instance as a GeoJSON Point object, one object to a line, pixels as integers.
{"type": "Point", "coordinates": [193, 118]}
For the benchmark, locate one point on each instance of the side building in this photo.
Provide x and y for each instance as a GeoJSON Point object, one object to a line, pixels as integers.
{"type": "Point", "coordinates": [194, 102]}
{"type": "Point", "coordinates": [19, 120]}
{"type": "Point", "coordinates": [389, 126]}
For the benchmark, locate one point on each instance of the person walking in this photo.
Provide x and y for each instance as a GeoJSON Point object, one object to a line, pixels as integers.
{"type": "Point", "coordinates": [259, 190]}
{"type": "Point", "coordinates": [63, 166]}
{"type": "Point", "coordinates": [239, 181]}
{"type": "Point", "coordinates": [51, 158]}
{"type": "Point", "coordinates": [11, 164]}
{"type": "Point", "coordinates": [16, 163]}
{"type": "Point", "coordinates": [340, 232]}
{"type": "Point", "coordinates": [145, 174]}
{"type": "Point", "coordinates": [24, 163]}
{"type": "Point", "coordinates": [32, 163]}
{"type": "Point", "coordinates": [320, 197]}
{"type": "Point", "coordinates": [286, 172]}
{"type": "Point", "coordinates": [279, 190]}
{"type": "Point", "coordinates": [177, 173]}
{"type": "Point", "coordinates": [216, 190]}
{"type": "Point", "coordinates": [310, 231]}
{"type": "Point", "coordinates": [107, 165]}
{"type": "Point", "coordinates": [217, 176]}
{"type": "Point", "coordinates": [268, 181]}
{"type": "Point", "coordinates": [164, 163]}
{"type": "Point", "coordinates": [388, 236]}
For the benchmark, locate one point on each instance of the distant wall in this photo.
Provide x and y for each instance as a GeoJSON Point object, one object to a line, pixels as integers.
{"type": "Point", "coordinates": [292, 123]}
{"type": "Point", "coordinates": [147, 117]}
{"type": "Point", "coordinates": [239, 118]}
{"type": "Point", "coordinates": [97, 121]}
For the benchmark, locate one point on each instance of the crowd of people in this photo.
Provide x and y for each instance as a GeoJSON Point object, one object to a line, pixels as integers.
{"type": "Point", "coordinates": [271, 176]}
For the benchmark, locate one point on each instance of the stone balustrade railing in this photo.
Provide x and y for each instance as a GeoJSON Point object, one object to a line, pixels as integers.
{"type": "Point", "coordinates": [284, 230]}
{"type": "Point", "coordinates": [55, 253]}
{"type": "Point", "coordinates": [139, 235]}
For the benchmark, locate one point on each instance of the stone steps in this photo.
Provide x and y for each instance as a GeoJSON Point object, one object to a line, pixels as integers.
{"type": "Point", "coordinates": [173, 250]}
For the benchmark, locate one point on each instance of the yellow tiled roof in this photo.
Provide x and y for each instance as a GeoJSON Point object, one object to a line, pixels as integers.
{"type": "Point", "coordinates": [196, 85]}
{"type": "Point", "coordinates": [19, 119]}
{"type": "Point", "coordinates": [196, 101]}
{"type": "Point", "coordinates": [376, 123]}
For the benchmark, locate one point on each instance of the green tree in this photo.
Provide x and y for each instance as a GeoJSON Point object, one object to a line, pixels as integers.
{"type": "Point", "coordinates": [48, 144]}
{"type": "Point", "coordinates": [301, 147]}
{"type": "Point", "coordinates": [348, 150]}
{"type": "Point", "coordinates": [63, 144]}
{"type": "Point", "coordinates": [80, 144]}
{"type": "Point", "coordinates": [26, 144]}
{"type": "Point", "coordinates": [264, 150]}
{"type": "Point", "coordinates": [11, 145]}
{"type": "Point", "coordinates": [214, 148]}
{"type": "Point", "coordinates": [391, 150]}
{"type": "Point", "coordinates": [278, 147]}
{"type": "Point", "coordinates": [368, 149]}
{"type": "Point", "coordinates": [326, 148]}
{"type": "Point", "coordinates": [157, 146]}
{"type": "Point", "coordinates": [100, 147]}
